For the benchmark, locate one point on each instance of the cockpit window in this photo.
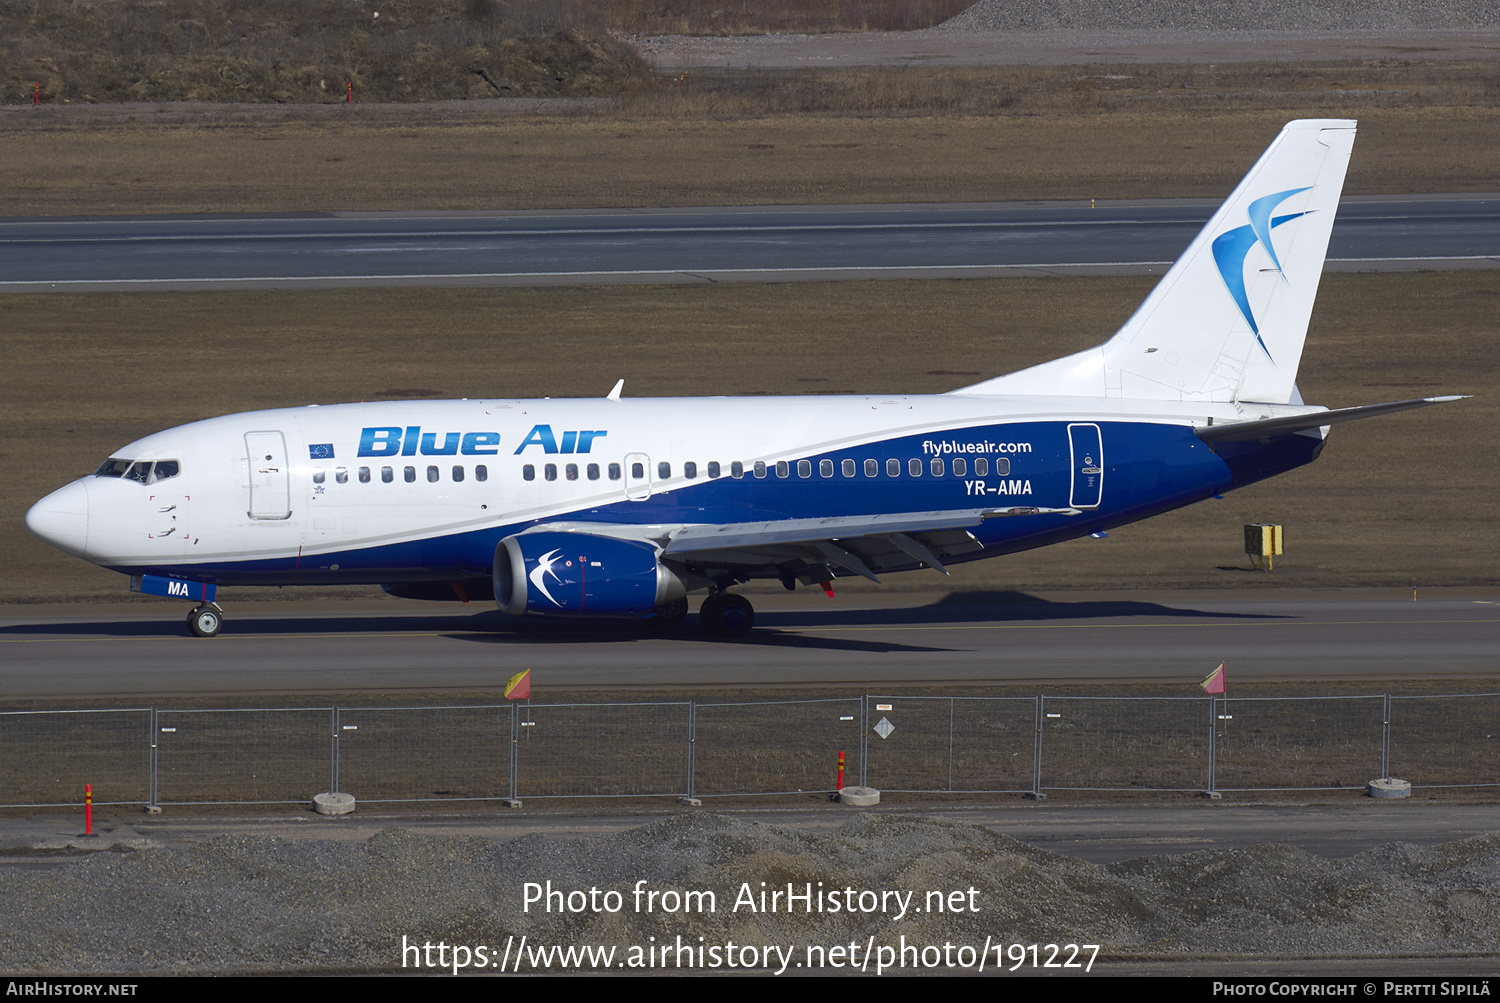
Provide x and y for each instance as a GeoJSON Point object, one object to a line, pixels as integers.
{"type": "Point", "coordinates": [140, 471]}
{"type": "Point", "coordinates": [112, 468]}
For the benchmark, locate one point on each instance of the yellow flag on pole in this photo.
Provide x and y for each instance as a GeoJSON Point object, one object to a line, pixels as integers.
{"type": "Point", "coordinates": [1214, 681]}
{"type": "Point", "coordinates": [519, 687]}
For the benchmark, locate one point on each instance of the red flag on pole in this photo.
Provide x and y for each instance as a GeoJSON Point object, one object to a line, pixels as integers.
{"type": "Point", "coordinates": [1214, 681]}
{"type": "Point", "coordinates": [519, 687]}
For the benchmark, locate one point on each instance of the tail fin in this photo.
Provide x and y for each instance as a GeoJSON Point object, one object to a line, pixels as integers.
{"type": "Point", "coordinates": [1227, 321]}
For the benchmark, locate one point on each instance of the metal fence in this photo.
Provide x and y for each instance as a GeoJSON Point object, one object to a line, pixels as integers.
{"type": "Point", "coordinates": [519, 751]}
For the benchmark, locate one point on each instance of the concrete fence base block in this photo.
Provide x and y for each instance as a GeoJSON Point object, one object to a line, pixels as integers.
{"type": "Point", "coordinates": [333, 804]}
{"type": "Point", "coordinates": [1388, 787]}
{"type": "Point", "coordinates": [860, 797]}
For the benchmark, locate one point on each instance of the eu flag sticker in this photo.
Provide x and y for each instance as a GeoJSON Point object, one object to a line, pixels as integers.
{"type": "Point", "coordinates": [320, 451]}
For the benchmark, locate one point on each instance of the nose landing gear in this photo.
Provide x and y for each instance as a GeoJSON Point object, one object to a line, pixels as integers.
{"type": "Point", "coordinates": [205, 620]}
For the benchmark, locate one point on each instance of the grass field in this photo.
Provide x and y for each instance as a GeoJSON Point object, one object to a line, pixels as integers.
{"type": "Point", "coordinates": [1402, 500]}
{"type": "Point", "coordinates": [881, 135]}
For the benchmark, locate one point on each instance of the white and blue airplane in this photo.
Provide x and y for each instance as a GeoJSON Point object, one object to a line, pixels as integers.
{"type": "Point", "coordinates": [618, 507]}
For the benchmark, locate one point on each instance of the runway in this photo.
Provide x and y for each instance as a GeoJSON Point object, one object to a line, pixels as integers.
{"type": "Point", "coordinates": [866, 642]}
{"type": "Point", "coordinates": [696, 245]}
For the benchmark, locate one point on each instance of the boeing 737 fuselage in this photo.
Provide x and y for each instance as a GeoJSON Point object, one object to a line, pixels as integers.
{"type": "Point", "coordinates": [620, 507]}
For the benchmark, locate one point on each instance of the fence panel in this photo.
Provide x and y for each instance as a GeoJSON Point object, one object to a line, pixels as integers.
{"type": "Point", "coordinates": [1124, 743]}
{"type": "Point", "coordinates": [602, 750]}
{"type": "Point", "coordinates": [46, 757]}
{"type": "Point", "coordinates": [785, 747]}
{"type": "Point", "coordinates": [245, 756]}
{"type": "Point", "coordinates": [909, 743]}
{"type": "Point", "coordinates": [993, 743]}
{"type": "Point", "coordinates": [1446, 741]}
{"type": "Point", "coordinates": [1298, 743]}
{"type": "Point", "coordinates": [424, 753]}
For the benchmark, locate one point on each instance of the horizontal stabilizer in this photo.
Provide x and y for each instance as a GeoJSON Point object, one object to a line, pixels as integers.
{"type": "Point", "coordinates": [1247, 431]}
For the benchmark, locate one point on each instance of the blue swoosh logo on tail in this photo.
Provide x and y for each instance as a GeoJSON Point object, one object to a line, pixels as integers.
{"type": "Point", "coordinates": [1231, 247]}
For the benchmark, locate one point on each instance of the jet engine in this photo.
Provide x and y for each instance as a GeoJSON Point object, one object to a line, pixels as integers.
{"type": "Point", "coordinates": [581, 574]}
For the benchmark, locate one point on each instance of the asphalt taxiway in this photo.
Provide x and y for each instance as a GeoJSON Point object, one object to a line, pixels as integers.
{"type": "Point", "coordinates": [868, 642]}
{"type": "Point", "coordinates": [677, 245]}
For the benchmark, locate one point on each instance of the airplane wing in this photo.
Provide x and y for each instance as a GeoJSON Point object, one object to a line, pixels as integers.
{"type": "Point", "coordinates": [811, 549]}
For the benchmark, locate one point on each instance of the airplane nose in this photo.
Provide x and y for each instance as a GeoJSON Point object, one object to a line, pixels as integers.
{"type": "Point", "coordinates": [62, 518]}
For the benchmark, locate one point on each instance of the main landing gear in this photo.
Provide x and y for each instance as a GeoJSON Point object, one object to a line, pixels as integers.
{"type": "Point", "coordinates": [205, 620]}
{"type": "Point", "coordinates": [726, 615]}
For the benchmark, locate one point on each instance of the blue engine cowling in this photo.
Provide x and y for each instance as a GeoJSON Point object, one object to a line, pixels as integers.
{"type": "Point", "coordinates": [580, 574]}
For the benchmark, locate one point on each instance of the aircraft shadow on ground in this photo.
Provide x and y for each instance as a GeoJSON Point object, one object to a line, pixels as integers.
{"type": "Point", "coordinates": [774, 628]}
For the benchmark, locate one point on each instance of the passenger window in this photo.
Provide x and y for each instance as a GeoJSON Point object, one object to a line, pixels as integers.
{"type": "Point", "coordinates": [713, 468]}
{"type": "Point", "coordinates": [637, 471]}
{"type": "Point", "coordinates": [825, 467]}
{"type": "Point", "coordinates": [1002, 467]}
{"type": "Point", "coordinates": [364, 475]}
{"type": "Point", "coordinates": [914, 465]}
{"type": "Point", "coordinates": [341, 475]}
{"type": "Point", "coordinates": [937, 467]}
{"type": "Point", "coordinates": [960, 466]}
{"type": "Point", "coordinates": [571, 471]}
{"type": "Point", "coordinates": [549, 472]}
{"type": "Point", "coordinates": [690, 470]}
{"type": "Point", "coordinates": [760, 469]}
{"type": "Point", "coordinates": [893, 467]}
{"type": "Point", "coordinates": [593, 471]}
{"type": "Point", "coordinates": [614, 471]}
{"type": "Point", "coordinates": [664, 470]}
{"type": "Point", "coordinates": [736, 470]}
{"type": "Point", "coordinates": [458, 475]}
{"type": "Point", "coordinates": [981, 467]}
{"type": "Point", "coordinates": [528, 473]}
{"type": "Point", "coordinates": [849, 468]}
{"type": "Point", "coordinates": [387, 475]}
{"type": "Point", "coordinates": [872, 468]}
{"type": "Point", "coordinates": [804, 468]}
{"type": "Point", "coordinates": [410, 475]}
{"type": "Point", "coordinates": [319, 475]}
{"type": "Point", "coordinates": [481, 473]}
{"type": "Point", "coordinates": [432, 475]}
{"type": "Point", "coordinates": [783, 468]}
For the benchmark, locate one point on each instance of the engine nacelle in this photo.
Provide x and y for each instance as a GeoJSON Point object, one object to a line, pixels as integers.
{"type": "Point", "coordinates": [580, 574]}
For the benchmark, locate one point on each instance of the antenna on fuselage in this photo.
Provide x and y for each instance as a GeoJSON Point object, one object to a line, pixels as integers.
{"type": "Point", "coordinates": [614, 394]}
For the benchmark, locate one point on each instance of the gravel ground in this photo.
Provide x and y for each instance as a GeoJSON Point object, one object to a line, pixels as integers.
{"type": "Point", "coordinates": [264, 904]}
{"type": "Point", "coordinates": [1066, 32]}
{"type": "Point", "coordinates": [1226, 15]}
